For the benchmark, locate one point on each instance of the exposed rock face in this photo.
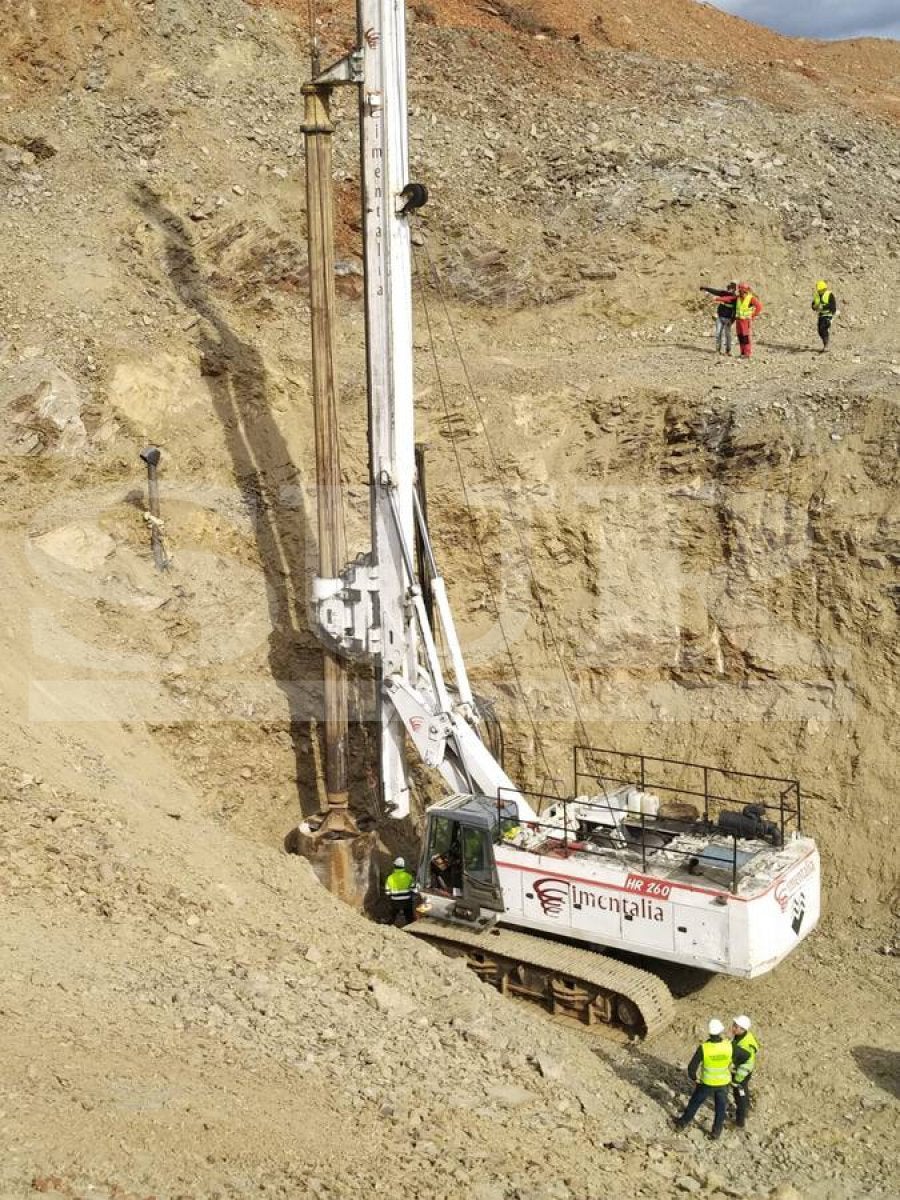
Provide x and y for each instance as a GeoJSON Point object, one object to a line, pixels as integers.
{"type": "Point", "coordinates": [40, 409]}
{"type": "Point", "coordinates": [153, 395]}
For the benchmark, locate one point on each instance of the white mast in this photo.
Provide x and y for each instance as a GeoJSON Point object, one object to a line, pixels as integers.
{"type": "Point", "coordinates": [374, 608]}
{"type": "Point", "coordinates": [385, 174]}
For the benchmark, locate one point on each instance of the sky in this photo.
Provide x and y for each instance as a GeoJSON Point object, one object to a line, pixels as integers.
{"type": "Point", "coordinates": [821, 18]}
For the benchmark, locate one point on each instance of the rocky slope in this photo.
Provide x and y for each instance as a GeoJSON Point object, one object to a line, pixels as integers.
{"type": "Point", "coordinates": [185, 1013]}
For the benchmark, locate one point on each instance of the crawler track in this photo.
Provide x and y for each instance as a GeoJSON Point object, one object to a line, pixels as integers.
{"type": "Point", "coordinates": [565, 980]}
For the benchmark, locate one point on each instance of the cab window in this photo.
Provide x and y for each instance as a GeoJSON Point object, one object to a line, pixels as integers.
{"type": "Point", "coordinates": [442, 829]}
{"type": "Point", "coordinates": [478, 858]}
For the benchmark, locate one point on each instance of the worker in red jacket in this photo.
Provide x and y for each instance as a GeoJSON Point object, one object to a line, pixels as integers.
{"type": "Point", "coordinates": [746, 308]}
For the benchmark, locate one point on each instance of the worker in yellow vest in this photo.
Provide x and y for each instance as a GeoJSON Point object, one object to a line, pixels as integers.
{"type": "Point", "coordinates": [746, 309]}
{"type": "Point", "coordinates": [824, 305]}
{"type": "Point", "coordinates": [744, 1049]}
{"type": "Point", "coordinates": [710, 1071]}
{"type": "Point", "coordinates": [400, 889]}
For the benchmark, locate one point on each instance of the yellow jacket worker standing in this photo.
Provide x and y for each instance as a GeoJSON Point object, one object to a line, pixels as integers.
{"type": "Point", "coordinates": [745, 1048]}
{"type": "Point", "coordinates": [824, 305]}
{"type": "Point", "coordinates": [710, 1069]}
{"type": "Point", "coordinates": [747, 308]}
{"type": "Point", "coordinates": [400, 889]}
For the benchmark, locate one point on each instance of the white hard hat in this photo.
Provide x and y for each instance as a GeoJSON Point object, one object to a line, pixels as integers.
{"type": "Point", "coordinates": [744, 1022]}
{"type": "Point", "coordinates": [399, 862]}
{"type": "Point", "coordinates": [716, 1027]}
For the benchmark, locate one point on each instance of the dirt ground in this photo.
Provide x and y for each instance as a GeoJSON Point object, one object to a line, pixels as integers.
{"type": "Point", "coordinates": [185, 1012]}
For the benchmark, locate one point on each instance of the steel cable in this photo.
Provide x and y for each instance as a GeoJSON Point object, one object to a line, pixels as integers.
{"type": "Point", "coordinates": [508, 500]}
{"type": "Point", "coordinates": [470, 513]}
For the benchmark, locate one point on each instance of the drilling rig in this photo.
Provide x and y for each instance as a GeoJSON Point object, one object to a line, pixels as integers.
{"type": "Point", "coordinates": [664, 859]}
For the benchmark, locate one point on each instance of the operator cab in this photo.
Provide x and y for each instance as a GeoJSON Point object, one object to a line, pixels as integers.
{"type": "Point", "coordinates": [458, 873]}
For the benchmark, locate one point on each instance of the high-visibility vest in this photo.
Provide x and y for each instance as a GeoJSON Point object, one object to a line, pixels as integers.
{"type": "Point", "coordinates": [749, 1043]}
{"type": "Point", "coordinates": [743, 309]}
{"type": "Point", "coordinates": [821, 301]}
{"type": "Point", "coordinates": [399, 884]}
{"type": "Point", "coordinates": [716, 1069]}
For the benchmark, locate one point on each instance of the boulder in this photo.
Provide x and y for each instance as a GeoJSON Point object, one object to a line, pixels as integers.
{"type": "Point", "coordinates": [509, 1095]}
{"type": "Point", "coordinates": [389, 1000]}
{"type": "Point", "coordinates": [79, 545]}
{"type": "Point", "coordinates": [40, 410]}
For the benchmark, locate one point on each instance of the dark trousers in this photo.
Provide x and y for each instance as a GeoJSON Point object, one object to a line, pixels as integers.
{"type": "Point", "coordinates": [825, 327]}
{"type": "Point", "coordinates": [403, 911]}
{"type": "Point", "coordinates": [720, 1100]}
{"type": "Point", "coordinates": [741, 1093]}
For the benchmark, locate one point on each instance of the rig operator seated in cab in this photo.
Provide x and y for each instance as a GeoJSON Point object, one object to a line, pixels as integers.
{"type": "Point", "coordinates": [439, 874]}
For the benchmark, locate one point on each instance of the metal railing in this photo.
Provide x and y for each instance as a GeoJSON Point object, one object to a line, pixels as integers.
{"type": "Point", "coordinates": [784, 794]}
{"type": "Point", "coordinates": [564, 839]}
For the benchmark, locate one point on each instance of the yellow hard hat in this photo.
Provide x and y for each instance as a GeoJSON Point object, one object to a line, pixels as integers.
{"type": "Point", "coordinates": [821, 286]}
